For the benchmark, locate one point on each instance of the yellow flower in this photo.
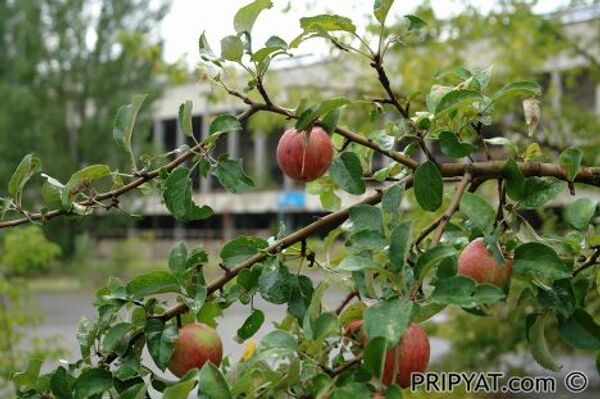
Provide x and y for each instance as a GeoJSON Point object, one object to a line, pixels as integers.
{"type": "Point", "coordinates": [249, 350]}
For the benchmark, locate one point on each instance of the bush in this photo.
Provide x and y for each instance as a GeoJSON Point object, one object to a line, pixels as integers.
{"type": "Point", "coordinates": [28, 252]}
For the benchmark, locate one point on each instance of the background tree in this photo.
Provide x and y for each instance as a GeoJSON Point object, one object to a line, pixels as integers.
{"type": "Point", "coordinates": [67, 66]}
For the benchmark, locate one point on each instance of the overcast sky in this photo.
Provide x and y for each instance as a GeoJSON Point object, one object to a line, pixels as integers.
{"type": "Point", "coordinates": [188, 18]}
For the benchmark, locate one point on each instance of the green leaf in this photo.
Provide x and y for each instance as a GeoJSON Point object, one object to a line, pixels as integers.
{"type": "Point", "coordinates": [92, 382]}
{"type": "Point", "coordinates": [125, 121]}
{"type": "Point", "coordinates": [352, 313]}
{"type": "Point", "coordinates": [330, 121]}
{"type": "Point", "coordinates": [374, 356]}
{"type": "Point", "coordinates": [114, 338]}
{"type": "Point", "coordinates": [178, 258]}
{"type": "Point", "coordinates": [570, 161]}
{"type": "Point", "coordinates": [30, 375]}
{"type": "Point", "coordinates": [274, 284]}
{"type": "Point", "coordinates": [352, 390]}
{"type": "Point", "coordinates": [212, 384]}
{"type": "Point", "coordinates": [415, 22]}
{"type": "Point", "coordinates": [431, 258]}
{"type": "Point", "coordinates": [537, 343]}
{"type": "Point", "coordinates": [185, 118]}
{"type": "Point", "coordinates": [478, 210]}
{"type": "Point", "coordinates": [366, 217]}
{"type": "Point", "coordinates": [232, 48]}
{"type": "Point", "coordinates": [331, 104]}
{"type": "Point", "coordinates": [465, 292]}
{"type": "Point", "coordinates": [394, 392]}
{"type": "Point", "coordinates": [329, 200]}
{"type": "Point", "coordinates": [456, 98]}
{"type": "Point", "coordinates": [52, 192]}
{"type": "Point", "coordinates": [515, 181]}
{"type": "Point", "coordinates": [246, 16]}
{"type": "Point", "coordinates": [580, 213]}
{"type": "Point", "coordinates": [346, 171]}
{"type": "Point", "coordinates": [429, 186]}
{"type": "Point", "coordinates": [451, 146]}
{"type": "Point", "coordinates": [241, 248]}
{"type": "Point", "coordinates": [224, 123]}
{"type": "Point", "coordinates": [560, 298]}
{"type": "Point", "coordinates": [81, 180]}
{"type": "Point", "coordinates": [160, 339]}
{"type": "Point", "coordinates": [524, 87]}
{"type": "Point", "coordinates": [388, 319]}
{"type": "Point", "coordinates": [539, 190]}
{"type": "Point", "coordinates": [435, 95]}
{"type": "Point", "coordinates": [181, 390]}
{"type": "Point", "coordinates": [538, 260]}
{"type": "Point", "coordinates": [392, 199]}
{"type": "Point", "coordinates": [231, 175]}
{"type": "Point", "coordinates": [151, 283]}
{"type": "Point", "coordinates": [314, 310]}
{"type": "Point", "coordinates": [251, 325]}
{"type": "Point", "coordinates": [301, 291]}
{"type": "Point", "coordinates": [203, 46]}
{"type": "Point", "coordinates": [399, 245]}
{"type": "Point", "coordinates": [279, 339]}
{"type": "Point", "coordinates": [276, 41]}
{"type": "Point", "coordinates": [381, 8]}
{"type": "Point", "coordinates": [263, 53]}
{"type": "Point", "coordinates": [423, 313]}
{"type": "Point", "coordinates": [306, 118]}
{"type": "Point", "coordinates": [28, 167]}
{"type": "Point", "coordinates": [137, 391]}
{"type": "Point", "coordinates": [483, 77]}
{"type": "Point", "coordinates": [580, 330]}
{"type": "Point", "coordinates": [177, 194]}
{"type": "Point", "coordinates": [354, 263]}
{"type": "Point", "coordinates": [327, 23]}
{"type": "Point", "coordinates": [60, 384]}
{"type": "Point", "coordinates": [598, 280]}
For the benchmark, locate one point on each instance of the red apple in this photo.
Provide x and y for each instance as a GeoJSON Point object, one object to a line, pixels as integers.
{"type": "Point", "coordinates": [197, 344]}
{"type": "Point", "coordinates": [304, 156]}
{"type": "Point", "coordinates": [411, 354]}
{"type": "Point", "coordinates": [477, 262]}
{"type": "Point", "coordinates": [355, 331]}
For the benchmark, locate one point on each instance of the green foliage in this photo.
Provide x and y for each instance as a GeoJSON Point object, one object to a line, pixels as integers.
{"type": "Point", "coordinates": [18, 311]}
{"type": "Point", "coordinates": [27, 252]}
{"type": "Point", "coordinates": [67, 108]}
{"type": "Point", "coordinates": [429, 187]}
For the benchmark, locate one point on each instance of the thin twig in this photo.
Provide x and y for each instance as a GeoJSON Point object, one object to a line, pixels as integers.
{"type": "Point", "coordinates": [452, 208]}
{"type": "Point", "coordinates": [479, 129]}
{"type": "Point", "coordinates": [593, 260]}
{"type": "Point", "coordinates": [501, 203]}
{"type": "Point", "coordinates": [377, 64]}
{"type": "Point", "coordinates": [340, 369]}
{"type": "Point", "coordinates": [112, 194]}
{"type": "Point", "coordinates": [346, 301]}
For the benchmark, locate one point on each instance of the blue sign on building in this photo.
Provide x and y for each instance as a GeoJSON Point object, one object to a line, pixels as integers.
{"type": "Point", "coordinates": [291, 200]}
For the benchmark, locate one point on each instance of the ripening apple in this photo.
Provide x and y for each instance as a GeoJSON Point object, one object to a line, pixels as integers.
{"type": "Point", "coordinates": [411, 355]}
{"type": "Point", "coordinates": [197, 344]}
{"type": "Point", "coordinates": [356, 332]}
{"type": "Point", "coordinates": [304, 156]}
{"type": "Point", "coordinates": [477, 262]}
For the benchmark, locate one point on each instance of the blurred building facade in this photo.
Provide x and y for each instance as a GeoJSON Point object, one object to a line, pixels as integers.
{"type": "Point", "coordinates": [276, 197]}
